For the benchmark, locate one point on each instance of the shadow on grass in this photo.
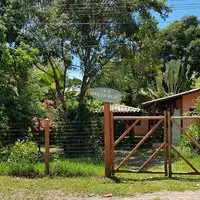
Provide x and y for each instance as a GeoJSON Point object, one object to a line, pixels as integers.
{"type": "Point", "coordinates": [122, 180]}
{"type": "Point", "coordinates": [196, 178]}
{"type": "Point", "coordinates": [125, 180]}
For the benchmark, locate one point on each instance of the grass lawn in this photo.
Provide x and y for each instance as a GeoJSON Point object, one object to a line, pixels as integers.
{"type": "Point", "coordinates": [128, 185]}
{"type": "Point", "coordinates": [86, 177]}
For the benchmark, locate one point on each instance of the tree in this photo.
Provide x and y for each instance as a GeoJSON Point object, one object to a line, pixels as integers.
{"type": "Point", "coordinates": [62, 29]}
{"type": "Point", "coordinates": [180, 41]}
{"type": "Point", "coordinates": [17, 99]}
{"type": "Point", "coordinates": [136, 69]}
{"type": "Point", "coordinates": [171, 81]}
{"type": "Point", "coordinates": [93, 32]}
{"type": "Point", "coordinates": [49, 35]}
{"type": "Point", "coordinates": [101, 29]}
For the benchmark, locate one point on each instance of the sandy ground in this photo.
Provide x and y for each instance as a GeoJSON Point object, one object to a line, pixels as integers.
{"type": "Point", "coordinates": [57, 195]}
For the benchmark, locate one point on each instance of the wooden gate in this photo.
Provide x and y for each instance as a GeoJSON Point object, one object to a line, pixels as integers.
{"type": "Point", "coordinates": [172, 147]}
{"type": "Point", "coordinates": [166, 120]}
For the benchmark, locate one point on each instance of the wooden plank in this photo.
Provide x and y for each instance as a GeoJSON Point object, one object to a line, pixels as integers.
{"type": "Point", "coordinates": [143, 172]}
{"type": "Point", "coordinates": [138, 117]}
{"type": "Point", "coordinates": [169, 144]}
{"type": "Point", "coordinates": [107, 140]}
{"type": "Point", "coordinates": [185, 159]}
{"type": "Point", "coordinates": [165, 144]}
{"type": "Point", "coordinates": [185, 117]}
{"type": "Point", "coordinates": [112, 146]}
{"type": "Point", "coordinates": [47, 142]}
{"type": "Point", "coordinates": [139, 144]}
{"type": "Point", "coordinates": [126, 132]}
{"type": "Point", "coordinates": [151, 157]}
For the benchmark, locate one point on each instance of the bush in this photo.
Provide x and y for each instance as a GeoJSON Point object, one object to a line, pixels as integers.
{"type": "Point", "coordinates": [4, 154]}
{"type": "Point", "coordinates": [23, 156]}
{"type": "Point", "coordinates": [23, 151]}
{"type": "Point", "coordinates": [186, 146]}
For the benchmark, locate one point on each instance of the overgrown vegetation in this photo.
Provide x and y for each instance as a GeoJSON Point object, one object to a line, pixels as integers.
{"type": "Point", "coordinates": [114, 44]}
{"type": "Point", "coordinates": [59, 167]}
{"type": "Point", "coordinates": [109, 45]}
{"type": "Point", "coordinates": [186, 146]}
{"type": "Point", "coordinates": [121, 185]}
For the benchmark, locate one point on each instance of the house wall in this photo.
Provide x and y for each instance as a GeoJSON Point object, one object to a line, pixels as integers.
{"type": "Point", "coordinates": [188, 102]}
{"type": "Point", "coordinates": [176, 133]}
{"type": "Point", "coordinates": [142, 129]}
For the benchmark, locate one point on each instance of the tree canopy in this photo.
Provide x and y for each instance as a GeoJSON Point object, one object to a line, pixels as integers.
{"type": "Point", "coordinates": [116, 44]}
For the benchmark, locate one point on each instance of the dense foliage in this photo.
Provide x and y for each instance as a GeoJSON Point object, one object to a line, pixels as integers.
{"type": "Point", "coordinates": [114, 44]}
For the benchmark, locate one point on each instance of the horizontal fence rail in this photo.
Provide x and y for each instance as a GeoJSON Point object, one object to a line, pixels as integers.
{"type": "Point", "coordinates": [166, 146]}
{"type": "Point", "coordinates": [86, 139]}
{"type": "Point", "coordinates": [137, 117]}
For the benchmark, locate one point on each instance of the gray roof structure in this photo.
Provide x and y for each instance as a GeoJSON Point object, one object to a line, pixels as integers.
{"type": "Point", "coordinates": [117, 108]}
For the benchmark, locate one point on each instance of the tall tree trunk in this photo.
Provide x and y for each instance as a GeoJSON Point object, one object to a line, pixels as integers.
{"type": "Point", "coordinates": [59, 91]}
{"type": "Point", "coordinates": [81, 105]}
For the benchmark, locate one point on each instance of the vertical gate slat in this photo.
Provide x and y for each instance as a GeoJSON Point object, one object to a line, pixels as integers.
{"type": "Point", "coordinates": [169, 144]}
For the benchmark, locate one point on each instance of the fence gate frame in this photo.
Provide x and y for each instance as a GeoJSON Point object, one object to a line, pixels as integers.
{"type": "Point", "coordinates": [166, 119]}
{"type": "Point", "coordinates": [171, 120]}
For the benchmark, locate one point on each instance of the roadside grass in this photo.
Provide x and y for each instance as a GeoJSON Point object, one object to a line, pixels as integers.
{"type": "Point", "coordinates": [82, 177]}
{"type": "Point", "coordinates": [181, 165]}
{"type": "Point", "coordinates": [126, 185]}
{"type": "Point", "coordinates": [76, 167]}
{"type": "Point", "coordinates": [68, 168]}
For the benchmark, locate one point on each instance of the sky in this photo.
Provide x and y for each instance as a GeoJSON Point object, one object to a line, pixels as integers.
{"type": "Point", "coordinates": [180, 9]}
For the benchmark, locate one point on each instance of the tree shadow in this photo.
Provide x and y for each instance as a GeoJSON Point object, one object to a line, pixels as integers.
{"type": "Point", "coordinates": [122, 180]}
{"type": "Point", "coordinates": [126, 179]}
{"type": "Point", "coordinates": [187, 179]}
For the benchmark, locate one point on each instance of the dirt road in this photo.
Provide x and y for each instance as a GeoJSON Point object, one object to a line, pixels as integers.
{"type": "Point", "coordinates": [163, 195]}
{"type": "Point", "coordinates": [58, 195]}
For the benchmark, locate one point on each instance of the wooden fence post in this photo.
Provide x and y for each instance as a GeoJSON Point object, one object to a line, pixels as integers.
{"type": "Point", "coordinates": [107, 140]}
{"type": "Point", "coordinates": [166, 144]}
{"type": "Point", "coordinates": [47, 131]}
{"type": "Point", "coordinates": [112, 145]}
{"type": "Point", "coordinates": [169, 144]}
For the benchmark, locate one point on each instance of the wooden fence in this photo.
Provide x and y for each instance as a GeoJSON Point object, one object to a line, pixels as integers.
{"type": "Point", "coordinates": [166, 120]}
{"type": "Point", "coordinates": [167, 146]}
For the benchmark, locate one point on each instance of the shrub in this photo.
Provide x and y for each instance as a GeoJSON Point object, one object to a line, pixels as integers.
{"type": "Point", "coordinates": [186, 146]}
{"type": "Point", "coordinates": [24, 151]}
{"type": "Point", "coordinates": [4, 154]}
{"type": "Point", "coordinates": [23, 156]}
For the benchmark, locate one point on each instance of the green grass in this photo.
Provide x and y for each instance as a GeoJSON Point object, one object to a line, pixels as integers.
{"type": "Point", "coordinates": [181, 166]}
{"type": "Point", "coordinates": [67, 168]}
{"type": "Point", "coordinates": [127, 185]}
{"type": "Point", "coordinates": [86, 177]}
{"type": "Point", "coordinates": [76, 167]}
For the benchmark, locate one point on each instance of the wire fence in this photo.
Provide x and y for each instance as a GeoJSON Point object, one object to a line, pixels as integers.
{"type": "Point", "coordinates": [67, 140]}
{"type": "Point", "coordinates": [84, 139]}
